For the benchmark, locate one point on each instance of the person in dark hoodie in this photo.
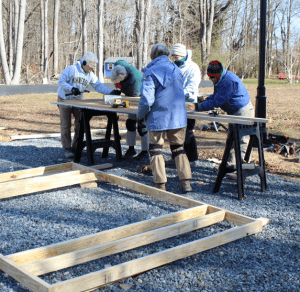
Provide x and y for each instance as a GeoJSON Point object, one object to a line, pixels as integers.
{"type": "Point", "coordinates": [162, 105]}
{"type": "Point", "coordinates": [129, 80]}
{"type": "Point", "coordinates": [231, 95]}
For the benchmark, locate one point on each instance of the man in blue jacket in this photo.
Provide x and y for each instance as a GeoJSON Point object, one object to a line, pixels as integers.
{"type": "Point", "coordinates": [231, 95]}
{"type": "Point", "coordinates": [162, 104]}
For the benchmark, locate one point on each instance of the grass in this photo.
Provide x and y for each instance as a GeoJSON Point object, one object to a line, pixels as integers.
{"type": "Point", "coordinates": [269, 82]}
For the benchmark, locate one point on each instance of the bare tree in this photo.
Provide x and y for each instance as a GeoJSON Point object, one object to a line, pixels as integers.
{"type": "Point", "coordinates": [19, 50]}
{"type": "Point", "coordinates": [55, 36]}
{"type": "Point", "coordinates": [84, 27]}
{"type": "Point", "coordinates": [4, 64]}
{"type": "Point", "coordinates": [100, 41]}
{"type": "Point", "coordinates": [206, 22]}
{"type": "Point", "coordinates": [139, 25]}
{"type": "Point", "coordinates": [146, 33]}
{"type": "Point", "coordinates": [46, 39]}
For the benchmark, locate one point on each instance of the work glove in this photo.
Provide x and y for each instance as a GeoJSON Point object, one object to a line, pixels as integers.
{"type": "Point", "coordinates": [141, 128]}
{"type": "Point", "coordinates": [199, 107]}
{"type": "Point", "coordinates": [115, 92]}
{"type": "Point", "coordinates": [75, 91]}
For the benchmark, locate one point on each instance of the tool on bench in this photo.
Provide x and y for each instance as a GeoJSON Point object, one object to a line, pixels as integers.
{"type": "Point", "coordinates": [118, 103]}
{"type": "Point", "coordinates": [215, 113]}
{"type": "Point", "coordinates": [76, 94]}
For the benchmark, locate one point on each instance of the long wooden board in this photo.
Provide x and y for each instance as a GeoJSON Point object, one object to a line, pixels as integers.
{"type": "Point", "coordinates": [25, 266]}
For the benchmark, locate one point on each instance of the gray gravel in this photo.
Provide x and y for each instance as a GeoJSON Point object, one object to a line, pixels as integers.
{"type": "Point", "coordinates": [268, 261]}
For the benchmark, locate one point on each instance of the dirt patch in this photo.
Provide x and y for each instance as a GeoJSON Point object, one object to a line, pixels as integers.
{"type": "Point", "coordinates": [34, 114]}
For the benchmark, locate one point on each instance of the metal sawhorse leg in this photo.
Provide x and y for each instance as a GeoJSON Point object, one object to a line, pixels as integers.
{"type": "Point", "coordinates": [237, 131]}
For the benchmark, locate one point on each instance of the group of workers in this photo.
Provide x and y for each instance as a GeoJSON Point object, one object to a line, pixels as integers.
{"type": "Point", "coordinates": [163, 87]}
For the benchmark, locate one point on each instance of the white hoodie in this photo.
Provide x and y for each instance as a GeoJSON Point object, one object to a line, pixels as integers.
{"type": "Point", "coordinates": [192, 78]}
{"type": "Point", "coordinates": [75, 76]}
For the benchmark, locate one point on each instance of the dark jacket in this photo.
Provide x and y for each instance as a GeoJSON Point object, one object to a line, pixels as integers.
{"type": "Point", "coordinates": [132, 84]}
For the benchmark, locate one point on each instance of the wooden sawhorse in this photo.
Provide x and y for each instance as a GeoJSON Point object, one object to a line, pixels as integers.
{"type": "Point", "coordinates": [236, 132]}
{"type": "Point", "coordinates": [105, 143]}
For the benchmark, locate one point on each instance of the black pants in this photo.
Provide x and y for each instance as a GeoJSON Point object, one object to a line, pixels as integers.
{"type": "Point", "coordinates": [190, 144]}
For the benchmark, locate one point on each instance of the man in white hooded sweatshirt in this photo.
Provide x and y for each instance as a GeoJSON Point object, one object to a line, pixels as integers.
{"type": "Point", "coordinates": [72, 82]}
{"type": "Point", "coordinates": [192, 77]}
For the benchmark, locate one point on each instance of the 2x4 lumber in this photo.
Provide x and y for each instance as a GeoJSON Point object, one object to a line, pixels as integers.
{"type": "Point", "coordinates": [222, 119]}
{"type": "Point", "coordinates": [76, 166]}
{"type": "Point", "coordinates": [117, 246]}
{"type": "Point", "coordinates": [20, 174]}
{"type": "Point", "coordinates": [39, 184]}
{"type": "Point", "coordinates": [56, 135]}
{"type": "Point", "coordinates": [42, 179]}
{"type": "Point", "coordinates": [37, 254]}
{"type": "Point", "coordinates": [256, 120]}
{"type": "Point", "coordinates": [118, 272]}
{"type": "Point", "coordinates": [151, 191]}
{"type": "Point", "coordinates": [167, 196]}
{"type": "Point", "coordinates": [23, 276]}
{"type": "Point", "coordinates": [232, 216]}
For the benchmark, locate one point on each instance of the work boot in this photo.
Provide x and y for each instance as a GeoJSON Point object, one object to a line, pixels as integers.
{"type": "Point", "coordinates": [129, 153]}
{"type": "Point", "coordinates": [68, 153]}
{"type": "Point", "coordinates": [143, 155]}
{"type": "Point", "coordinates": [186, 186]}
{"type": "Point", "coordinates": [161, 186]}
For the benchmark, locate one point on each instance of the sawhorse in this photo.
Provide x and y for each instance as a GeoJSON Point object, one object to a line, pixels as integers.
{"type": "Point", "coordinates": [236, 132]}
{"type": "Point", "coordinates": [105, 143]}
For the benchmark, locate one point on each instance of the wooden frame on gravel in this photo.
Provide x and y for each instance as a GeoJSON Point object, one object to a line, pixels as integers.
{"type": "Point", "coordinates": [26, 266]}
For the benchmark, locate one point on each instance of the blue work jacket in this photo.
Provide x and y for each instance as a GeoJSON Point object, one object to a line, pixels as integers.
{"type": "Point", "coordinates": [162, 101]}
{"type": "Point", "coordinates": [230, 94]}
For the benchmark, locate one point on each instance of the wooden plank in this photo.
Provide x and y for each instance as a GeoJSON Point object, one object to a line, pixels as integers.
{"type": "Point", "coordinates": [42, 179]}
{"type": "Point", "coordinates": [29, 256]}
{"type": "Point", "coordinates": [102, 166]}
{"type": "Point", "coordinates": [32, 172]}
{"type": "Point", "coordinates": [89, 185]}
{"type": "Point", "coordinates": [57, 135]}
{"type": "Point", "coordinates": [151, 191]}
{"type": "Point", "coordinates": [221, 119]}
{"type": "Point", "coordinates": [23, 276]}
{"type": "Point", "coordinates": [118, 272]}
{"type": "Point", "coordinates": [169, 197]}
{"type": "Point", "coordinates": [92, 167]}
{"type": "Point", "coordinates": [45, 183]}
{"type": "Point", "coordinates": [117, 246]}
{"type": "Point", "coordinates": [230, 118]}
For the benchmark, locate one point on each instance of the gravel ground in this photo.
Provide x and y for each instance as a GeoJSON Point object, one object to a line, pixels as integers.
{"type": "Point", "coordinates": [268, 261]}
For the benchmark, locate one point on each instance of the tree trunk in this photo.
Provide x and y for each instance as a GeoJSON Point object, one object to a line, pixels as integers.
{"type": "Point", "coordinates": [147, 17]}
{"type": "Point", "coordinates": [46, 43]}
{"type": "Point", "coordinates": [18, 64]}
{"type": "Point", "coordinates": [6, 75]}
{"type": "Point", "coordinates": [84, 28]}
{"type": "Point", "coordinates": [55, 38]}
{"type": "Point", "coordinates": [42, 55]}
{"type": "Point", "coordinates": [100, 41]}
{"type": "Point", "coordinates": [203, 36]}
{"type": "Point", "coordinates": [10, 42]}
{"type": "Point", "coordinates": [139, 24]}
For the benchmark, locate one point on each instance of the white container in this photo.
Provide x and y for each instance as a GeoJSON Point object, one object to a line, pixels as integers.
{"type": "Point", "coordinates": [109, 99]}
